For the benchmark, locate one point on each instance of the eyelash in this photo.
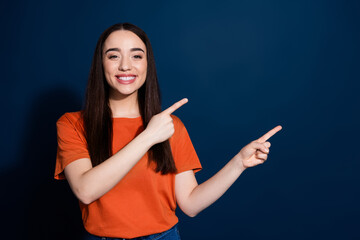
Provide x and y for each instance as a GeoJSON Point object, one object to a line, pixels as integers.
{"type": "Point", "coordinates": [114, 56]}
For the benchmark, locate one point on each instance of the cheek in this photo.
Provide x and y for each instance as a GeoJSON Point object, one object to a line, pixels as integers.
{"type": "Point", "coordinates": [108, 71]}
{"type": "Point", "coordinates": [109, 67]}
{"type": "Point", "coordinates": [143, 67]}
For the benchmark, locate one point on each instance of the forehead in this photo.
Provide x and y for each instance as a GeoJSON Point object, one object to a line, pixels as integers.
{"type": "Point", "coordinates": [124, 40]}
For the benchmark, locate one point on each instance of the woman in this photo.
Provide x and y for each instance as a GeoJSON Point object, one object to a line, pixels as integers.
{"type": "Point", "coordinates": [128, 162]}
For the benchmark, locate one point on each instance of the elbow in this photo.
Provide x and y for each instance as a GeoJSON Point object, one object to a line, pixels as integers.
{"type": "Point", "coordinates": [85, 200]}
{"type": "Point", "coordinates": [84, 196]}
{"type": "Point", "coordinates": [191, 214]}
{"type": "Point", "coordinates": [83, 189]}
{"type": "Point", "coordinates": [188, 208]}
{"type": "Point", "coordinates": [188, 211]}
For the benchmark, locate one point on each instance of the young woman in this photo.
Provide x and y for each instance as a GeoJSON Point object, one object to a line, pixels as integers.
{"type": "Point", "coordinates": [129, 163]}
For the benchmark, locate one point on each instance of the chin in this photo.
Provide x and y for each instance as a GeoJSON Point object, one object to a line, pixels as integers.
{"type": "Point", "coordinates": [124, 92]}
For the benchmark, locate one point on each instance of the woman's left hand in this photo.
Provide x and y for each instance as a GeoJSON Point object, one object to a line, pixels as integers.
{"type": "Point", "coordinates": [256, 152]}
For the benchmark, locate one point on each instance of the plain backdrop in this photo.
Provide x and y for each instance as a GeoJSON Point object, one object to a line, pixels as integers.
{"type": "Point", "coordinates": [245, 66]}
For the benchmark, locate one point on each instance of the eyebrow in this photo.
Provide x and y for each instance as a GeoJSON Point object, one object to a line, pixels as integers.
{"type": "Point", "coordinates": [118, 50]}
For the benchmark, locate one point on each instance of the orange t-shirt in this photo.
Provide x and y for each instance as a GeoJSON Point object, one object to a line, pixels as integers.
{"type": "Point", "coordinates": [143, 202]}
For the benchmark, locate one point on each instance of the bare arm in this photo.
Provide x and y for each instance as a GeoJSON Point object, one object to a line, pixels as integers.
{"type": "Point", "coordinates": [90, 183]}
{"type": "Point", "coordinates": [193, 198]}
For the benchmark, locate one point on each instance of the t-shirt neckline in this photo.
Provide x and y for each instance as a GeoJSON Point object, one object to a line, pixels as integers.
{"type": "Point", "coordinates": [126, 118]}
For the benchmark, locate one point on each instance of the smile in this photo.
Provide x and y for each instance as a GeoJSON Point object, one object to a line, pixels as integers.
{"type": "Point", "coordinates": [126, 79]}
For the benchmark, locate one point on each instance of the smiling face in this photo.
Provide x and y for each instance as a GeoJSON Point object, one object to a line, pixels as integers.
{"type": "Point", "coordinates": [125, 63]}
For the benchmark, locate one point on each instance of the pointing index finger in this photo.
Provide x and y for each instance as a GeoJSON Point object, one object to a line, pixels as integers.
{"type": "Point", "coordinates": [269, 134]}
{"type": "Point", "coordinates": [175, 106]}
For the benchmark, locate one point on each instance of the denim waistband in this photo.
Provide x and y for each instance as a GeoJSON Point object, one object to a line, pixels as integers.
{"type": "Point", "coordinates": [171, 234]}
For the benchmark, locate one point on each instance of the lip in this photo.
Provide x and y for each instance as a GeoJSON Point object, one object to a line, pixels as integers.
{"type": "Point", "coordinates": [123, 81]}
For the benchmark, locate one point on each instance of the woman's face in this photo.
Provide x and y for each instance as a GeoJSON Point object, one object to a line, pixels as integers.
{"type": "Point", "coordinates": [124, 62]}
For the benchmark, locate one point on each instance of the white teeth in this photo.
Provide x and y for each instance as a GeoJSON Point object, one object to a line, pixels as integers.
{"type": "Point", "coordinates": [126, 78]}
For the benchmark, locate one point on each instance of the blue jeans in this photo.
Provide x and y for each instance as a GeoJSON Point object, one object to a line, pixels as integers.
{"type": "Point", "coordinates": [171, 234]}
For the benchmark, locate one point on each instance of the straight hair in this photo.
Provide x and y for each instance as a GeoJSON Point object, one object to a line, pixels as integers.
{"type": "Point", "coordinates": [97, 115]}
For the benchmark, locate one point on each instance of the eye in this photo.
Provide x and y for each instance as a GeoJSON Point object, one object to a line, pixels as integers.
{"type": "Point", "coordinates": [113, 57]}
{"type": "Point", "coordinates": [138, 57]}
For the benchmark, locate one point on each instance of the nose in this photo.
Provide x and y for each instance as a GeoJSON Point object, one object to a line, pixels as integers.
{"type": "Point", "coordinates": [125, 64]}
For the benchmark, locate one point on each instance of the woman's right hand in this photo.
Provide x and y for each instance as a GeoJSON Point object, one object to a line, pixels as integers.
{"type": "Point", "coordinates": [161, 126]}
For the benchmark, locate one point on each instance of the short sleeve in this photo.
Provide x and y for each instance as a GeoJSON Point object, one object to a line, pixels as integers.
{"type": "Point", "coordinates": [184, 154]}
{"type": "Point", "coordinates": [71, 142]}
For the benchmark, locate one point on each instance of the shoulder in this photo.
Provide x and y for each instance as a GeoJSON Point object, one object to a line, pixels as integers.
{"type": "Point", "coordinates": [71, 118]}
{"type": "Point", "coordinates": [178, 124]}
{"type": "Point", "coordinates": [180, 130]}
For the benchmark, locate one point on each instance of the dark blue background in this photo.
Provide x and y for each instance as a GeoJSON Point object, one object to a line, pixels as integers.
{"type": "Point", "coordinates": [246, 66]}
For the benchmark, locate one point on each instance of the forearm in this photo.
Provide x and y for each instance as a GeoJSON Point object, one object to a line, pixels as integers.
{"type": "Point", "coordinates": [209, 191]}
{"type": "Point", "coordinates": [100, 179]}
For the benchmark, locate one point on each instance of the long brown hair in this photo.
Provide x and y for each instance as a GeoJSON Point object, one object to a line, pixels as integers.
{"type": "Point", "coordinates": [97, 115]}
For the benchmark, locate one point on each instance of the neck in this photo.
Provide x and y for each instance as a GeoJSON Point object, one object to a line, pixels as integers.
{"type": "Point", "coordinates": [124, 106]}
